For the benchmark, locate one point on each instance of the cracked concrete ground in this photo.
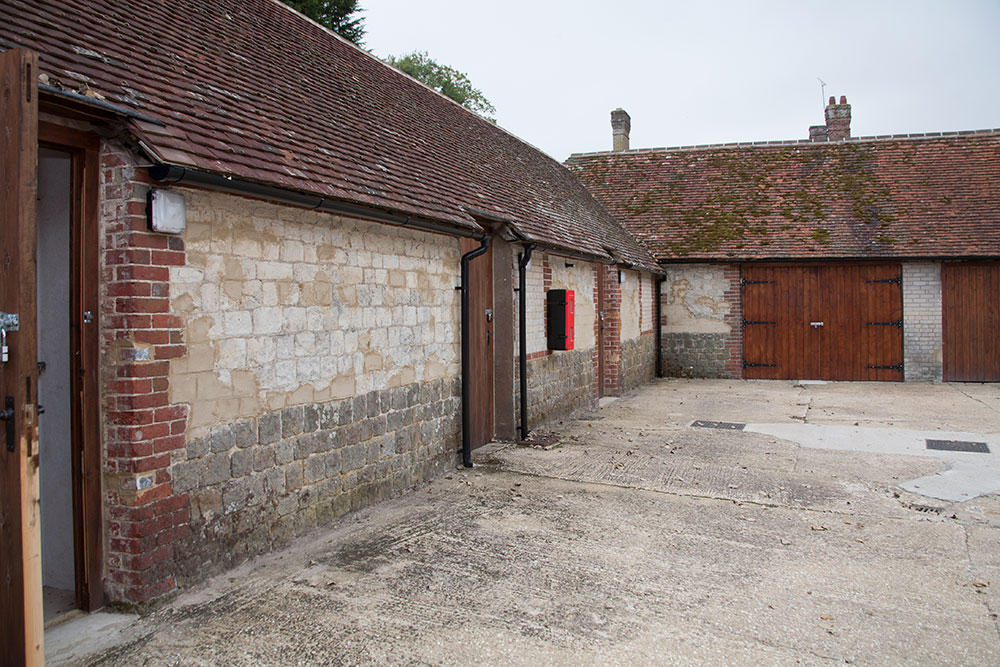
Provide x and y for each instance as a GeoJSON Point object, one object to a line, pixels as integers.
{"type": "Point", "coordinates": [634, 539]}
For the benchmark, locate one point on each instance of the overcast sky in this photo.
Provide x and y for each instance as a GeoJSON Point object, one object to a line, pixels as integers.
{"type": "Point", "coordinates": [705, 71]}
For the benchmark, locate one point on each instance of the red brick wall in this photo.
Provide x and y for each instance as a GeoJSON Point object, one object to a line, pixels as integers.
{"type": "Point", "coordinates": [142, 429]}
{"type": "Point", "coordinates": [612, 344]}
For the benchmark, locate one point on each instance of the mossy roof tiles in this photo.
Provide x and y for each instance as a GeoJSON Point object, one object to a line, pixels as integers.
{"type": "Point", "coordinates": [926, 196]}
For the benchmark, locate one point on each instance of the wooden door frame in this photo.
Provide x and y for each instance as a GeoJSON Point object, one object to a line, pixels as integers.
{"type": "Point", "coordinates": [84, 150]}
{"type": "Point", "coordinates": [21, 641]}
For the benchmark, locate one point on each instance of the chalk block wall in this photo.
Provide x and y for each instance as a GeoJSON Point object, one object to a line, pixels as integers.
{"type": "Point", "coordinates": [922, 337]}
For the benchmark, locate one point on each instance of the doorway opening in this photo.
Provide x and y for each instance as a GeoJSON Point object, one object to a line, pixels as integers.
{"type": "Point", "coordinates": [55, 429]}
{"type": "Point", "coordinates": [68, 432]}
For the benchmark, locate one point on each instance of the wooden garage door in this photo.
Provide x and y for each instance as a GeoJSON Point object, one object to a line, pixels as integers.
{"type": "Point", "coordinates": [823, 322]}
{"type": "Point", "coordinates": [971, 320]}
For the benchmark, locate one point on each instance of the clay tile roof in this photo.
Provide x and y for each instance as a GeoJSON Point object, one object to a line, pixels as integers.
{"type": "Point", "coordinates": [251, 89]}
{"type": "Point", "coordinates": [934, 195]}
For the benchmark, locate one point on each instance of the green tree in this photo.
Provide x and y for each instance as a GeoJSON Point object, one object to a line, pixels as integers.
{"type": "Point", "coordinates": [335, 15]}
{"type": "Point", "coordinates": [446, 80]}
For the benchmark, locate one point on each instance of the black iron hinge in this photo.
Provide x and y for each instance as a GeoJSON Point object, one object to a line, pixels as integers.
{"type": "Point", "coordinates": [747, 364]}
{"type": "Point", "coordinates": [897, 323]}
{"type": "Point", "coordinates": [897, 367]}
{"type": "Point", "coordinates": [746, 322]}
{"type": "Point", "coordinates": [898, 281]}
{"type": "Point", "coordinates": [757, 282]}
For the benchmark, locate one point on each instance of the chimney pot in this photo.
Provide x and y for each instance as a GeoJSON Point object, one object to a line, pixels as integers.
{"type": "Point", "coordinates": [621, 125]}
{"type": "Point", "coordinates": [843, 99]}
{"type": "Point", "coordinates": [833, 100]}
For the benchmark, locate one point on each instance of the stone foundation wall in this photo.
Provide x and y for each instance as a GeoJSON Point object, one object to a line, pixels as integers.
{"type": "Point", "coordinates": [560, 384]}
{"type": "Point", "coordinates": [638, 362]}
{"type": "Point", "coordinates": [256, 483]}
{"type": "Point", "coordinates": [694, 355]}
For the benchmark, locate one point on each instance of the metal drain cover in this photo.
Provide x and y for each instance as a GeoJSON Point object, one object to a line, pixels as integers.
{"type": "Point", "coordinates": [728, 426]}
{"type": "Point", "coordinates": [958, 446]}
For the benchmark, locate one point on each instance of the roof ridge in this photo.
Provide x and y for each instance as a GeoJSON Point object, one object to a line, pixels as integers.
{"type": "Point", "coordinates": [798, 142]}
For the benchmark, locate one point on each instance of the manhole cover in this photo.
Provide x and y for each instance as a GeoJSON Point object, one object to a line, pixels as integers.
{"type": "Point", "coordinates": [925, 509]}
{"type": "Point", "coordinates": [958, 446]}
{"type": "Point", "coordinates": [728, 426]}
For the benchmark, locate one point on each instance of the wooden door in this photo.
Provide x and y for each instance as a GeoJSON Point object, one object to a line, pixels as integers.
{"type": "Point", "coordinates": [823, 322]}
{"type": "Point", "coordinates": [480, 333]}
{"type": "Point", "coordinates": [21, 576]}
{"type": "Point", "coordinates": [877, 300]}
{"type": "Point", "coordinates": [970, 315]}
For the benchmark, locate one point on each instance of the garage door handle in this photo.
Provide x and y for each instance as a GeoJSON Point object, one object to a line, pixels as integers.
{"type": "Point", "coordinates": [815, 325]}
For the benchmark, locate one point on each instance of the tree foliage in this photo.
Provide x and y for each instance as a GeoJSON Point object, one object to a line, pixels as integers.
{"type": "Point", "coordinates": [446, 80]}
{"type": "Point", "coordinates": [335, 15]}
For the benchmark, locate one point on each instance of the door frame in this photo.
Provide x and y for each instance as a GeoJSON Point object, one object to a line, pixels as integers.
{"type": "Point", "coordinates": [84, 150]}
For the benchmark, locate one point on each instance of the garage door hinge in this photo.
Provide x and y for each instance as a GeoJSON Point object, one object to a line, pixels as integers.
{"type": "Point", "coordinates": [746, 322]}
{"type": "Point", "coordinates": [897, 367]}
{"type": "Point", "coordinates": [757, 282]}
{"type": "Point", "coordinates": [747, 364]}
{"type": "Point", "coordinates": [898, 281]}
{"type": "Point", "coordinates": [897, 323]}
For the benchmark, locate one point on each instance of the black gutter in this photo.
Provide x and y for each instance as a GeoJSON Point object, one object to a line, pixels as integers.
{"type": "Point", "coordinates": [659, 325]}
{"type": "Point", "coordinates": [168, 173]}
{"type": "Point", "coordinates": [467, 352]}
{"type": "Point", "coordinates": [522, 332]}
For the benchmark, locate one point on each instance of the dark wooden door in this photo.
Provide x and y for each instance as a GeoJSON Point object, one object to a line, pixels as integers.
{"type": "Point", "coordinates": [20, 537]}
{"type": "Point", "coordinates": [823, 322]}
{"type": "Point", "coordinates": [970, 315]}
{"type": "Point", "coordinates": [481, 344]}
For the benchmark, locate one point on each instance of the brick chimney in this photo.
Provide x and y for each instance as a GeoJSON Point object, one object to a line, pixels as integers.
{"type": "Point", "coordinates": [818, 133]}
{"type": "Point", "coordinates": [838, 119]}
{"type": "Point", "coordinates": [621, 125]}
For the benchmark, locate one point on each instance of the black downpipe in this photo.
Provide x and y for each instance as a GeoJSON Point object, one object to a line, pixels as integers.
{"type": "Point", "coordinates": [467, 351]}
{"type": "Point", "coordinates": [522, 332]}
{"type": "Point", "coordinates": [659, 325]}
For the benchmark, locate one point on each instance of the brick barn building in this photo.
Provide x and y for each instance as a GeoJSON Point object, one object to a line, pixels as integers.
{"type": "Point", "coordinates": [268, 268]}
{"type": "Point", "coordinates": [831, 258]}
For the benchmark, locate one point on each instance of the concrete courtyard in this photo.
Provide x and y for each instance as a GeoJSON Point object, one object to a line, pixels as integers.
{"type": "Point", "coordinates": [813, 525]}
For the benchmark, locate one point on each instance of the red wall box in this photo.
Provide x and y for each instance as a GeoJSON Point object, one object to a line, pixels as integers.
{"type": "Point", "coordinates": [560, 311]}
